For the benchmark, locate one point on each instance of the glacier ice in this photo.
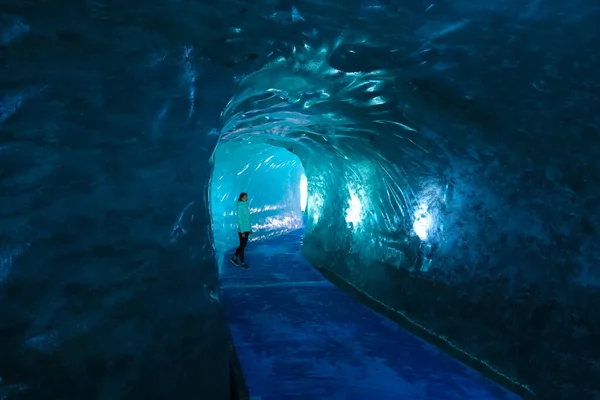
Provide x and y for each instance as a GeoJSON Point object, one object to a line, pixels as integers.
{"type": "Point", "coordinates": [450, 151]}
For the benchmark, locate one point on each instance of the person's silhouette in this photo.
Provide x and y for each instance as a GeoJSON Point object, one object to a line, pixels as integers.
{"type": "Point", "coordinates": [244, 229]}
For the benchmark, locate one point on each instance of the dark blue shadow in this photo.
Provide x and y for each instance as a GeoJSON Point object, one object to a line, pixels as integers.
{"type": "Point", "coordinates": [299, 337]}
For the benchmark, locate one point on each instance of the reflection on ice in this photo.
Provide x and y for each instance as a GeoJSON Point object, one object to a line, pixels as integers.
{"type": "Point", "coordinates": [354, 210]}
{"type": "Point", "coordinates": [303, 192]}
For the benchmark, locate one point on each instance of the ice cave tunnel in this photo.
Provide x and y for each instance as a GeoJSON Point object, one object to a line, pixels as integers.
{"type": "Point", "coordinates": [422, 180]}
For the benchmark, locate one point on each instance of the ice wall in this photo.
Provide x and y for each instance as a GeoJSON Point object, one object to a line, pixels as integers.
{"type": "Point", "coordinates": [270, 176]}
{"type": "Point", "coordinates": [108, 282]}
{"type": "Point", "coordinates": [450, 172]}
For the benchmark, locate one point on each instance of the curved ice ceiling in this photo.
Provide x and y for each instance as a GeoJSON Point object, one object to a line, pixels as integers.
{"type": "Point", "coordinates": [451, 147]}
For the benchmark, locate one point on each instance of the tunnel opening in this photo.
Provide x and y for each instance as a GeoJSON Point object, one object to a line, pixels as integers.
{"type": "Point", "coordinates": [383, 195]}
{"type": "Point", "coordinates": [275, 181]}
{"type": "Point", "coordinates": [359, 233]}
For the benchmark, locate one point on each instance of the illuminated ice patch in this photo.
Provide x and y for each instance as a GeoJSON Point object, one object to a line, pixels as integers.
{"type": "Point", "coordinates": [423, 221]}
{"type": "Point", "coordinates": [303, 192]}
{"type": "Point", "coordinates": [354, 211]}
{"type": "Point", "coordinates": [315, 205]}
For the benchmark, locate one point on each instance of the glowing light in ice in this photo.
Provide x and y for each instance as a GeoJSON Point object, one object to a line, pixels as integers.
{"type": "Point", "coordinates": [315, 205]}
{"type": "Point", "coordinates": [353, 214]}
{"type": "Point", "coordinates": [303, 192]}
{"type": "Point", "coordinates": [316, 217]}
{"type": "Point", "coordinates": [423, 222]}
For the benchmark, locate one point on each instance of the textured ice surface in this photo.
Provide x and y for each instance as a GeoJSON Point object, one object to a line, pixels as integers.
{"type": "Point", "coordinates": [451, 150]}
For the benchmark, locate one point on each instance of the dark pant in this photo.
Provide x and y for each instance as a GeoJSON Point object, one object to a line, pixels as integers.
{"type": "Point", "coordinates": [243, 241]}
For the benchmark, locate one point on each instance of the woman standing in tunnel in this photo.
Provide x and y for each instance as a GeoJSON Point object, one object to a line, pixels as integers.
{"type": "Point", "coordinates": [244, 229]}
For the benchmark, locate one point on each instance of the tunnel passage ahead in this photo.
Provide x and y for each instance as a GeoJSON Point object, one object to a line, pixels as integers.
{"type": "Point", "coordinates": [271, 176]}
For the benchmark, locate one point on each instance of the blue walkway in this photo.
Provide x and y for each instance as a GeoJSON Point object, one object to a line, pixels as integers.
{"type": "Point", "coordinates": [299, 337]}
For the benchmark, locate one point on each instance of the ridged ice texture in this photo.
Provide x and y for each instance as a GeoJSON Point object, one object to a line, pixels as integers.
{"type": "Point", "coordinates": [451, 148]}
{"type": "Point", "coordinates": [450, 153]}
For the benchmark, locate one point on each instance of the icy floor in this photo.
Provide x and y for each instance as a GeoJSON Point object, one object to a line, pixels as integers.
{"type": "Point", "coordinates": [299, 337]}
